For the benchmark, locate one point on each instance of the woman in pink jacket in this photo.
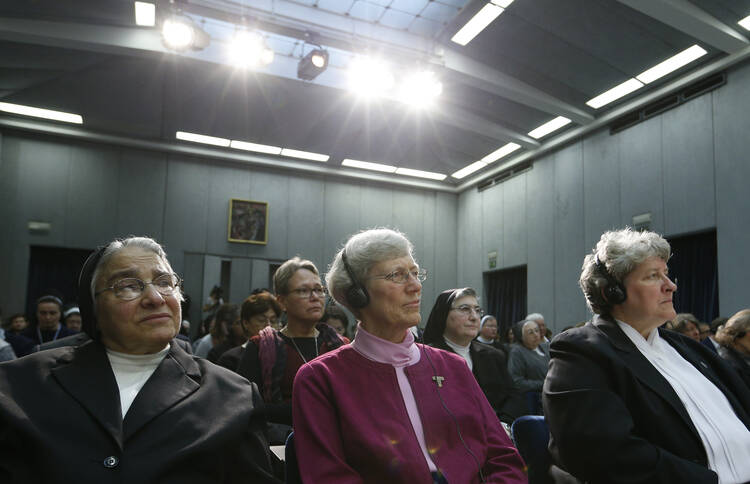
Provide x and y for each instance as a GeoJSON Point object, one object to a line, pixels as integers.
{"type": "Point", "coordinates": [386, 409]}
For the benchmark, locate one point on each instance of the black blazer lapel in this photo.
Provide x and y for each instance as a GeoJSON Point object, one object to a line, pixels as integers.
{"type": "Point", "coordinates": [87, 376]}
{"type": "Point", "coordinates": [643, 369]}
{"type": "Point", "coordinates": [173, 380]}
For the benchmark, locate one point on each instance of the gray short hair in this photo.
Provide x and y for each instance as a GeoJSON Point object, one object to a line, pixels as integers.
{"type": "Point", "coordinates": [364, 250]}
{"type": "Point", "coordinates": [620, 251]}
{"type": "Point", "coordinates": [679, 323]}
{"type": "Point", "coordinates": [287, 270]}
{"type": "Point", "coordinates": [730, 331]}
{"type": "Point", "coordinates": [534, 316]}
{"type": "Point", "coordinates": [117, 245]}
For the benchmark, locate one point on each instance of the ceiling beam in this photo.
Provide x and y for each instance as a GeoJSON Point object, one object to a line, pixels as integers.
{"type": "Point", "coordinates": [693, 21]}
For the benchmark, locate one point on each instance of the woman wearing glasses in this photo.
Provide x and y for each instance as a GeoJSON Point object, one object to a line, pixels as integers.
{"type": "Point", "coordinates": [130, 405]}
{"type": "Point", "coordinates": [272, 358]}
{"type": "Point", "coordinates": [452, 326]}
{"type": "Point", "coordinates": [386, 409]}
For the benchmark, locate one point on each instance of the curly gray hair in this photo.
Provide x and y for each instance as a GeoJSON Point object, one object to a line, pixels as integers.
{"type": "Point", "coordinates": [620, 251]}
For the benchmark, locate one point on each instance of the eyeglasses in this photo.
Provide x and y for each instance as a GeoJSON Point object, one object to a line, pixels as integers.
{"type": "Point", "coordinates": [131, 287]}
{"type": "Point", "coordinates": [304, 292]}
{"type": "Point", "coordinates": [401, 276]}
{"type": "Point", "coordinates": [466, 310]}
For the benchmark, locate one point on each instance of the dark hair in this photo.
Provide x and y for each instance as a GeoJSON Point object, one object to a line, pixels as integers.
{"type": "Point", "coordinates": [9, 321]}
{"type": "Point", "coordinates": [259, 290]}
{"type": "Point", "coordinates": [258, 304]}
{"type": "Point", "coordinates": [225, 316]}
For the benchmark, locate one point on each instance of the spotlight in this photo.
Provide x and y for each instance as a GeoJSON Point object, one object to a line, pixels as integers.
{"type": "Point", "coordinates": [370, 77]}
{"type": "Point", "coordinates": [310, 66]}
{"type": "Point", "coordinates": [178, 32]}
{"type": "Point", "coordinates": [249, 49]}
{"type": "Point", "coordinates": [420, 89]}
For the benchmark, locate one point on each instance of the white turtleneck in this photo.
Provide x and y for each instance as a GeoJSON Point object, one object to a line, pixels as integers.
{"type": "Point", "coordinates": [132, 372]}
{"type": "Point", "coordinates": [463, 351]}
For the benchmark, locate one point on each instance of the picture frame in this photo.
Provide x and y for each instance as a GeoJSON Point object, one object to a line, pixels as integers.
{"type": "Point", "coordinates": [248, 221]}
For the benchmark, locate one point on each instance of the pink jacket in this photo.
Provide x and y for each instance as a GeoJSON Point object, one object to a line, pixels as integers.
{"type": "Point", "coordinates": [351, 425]}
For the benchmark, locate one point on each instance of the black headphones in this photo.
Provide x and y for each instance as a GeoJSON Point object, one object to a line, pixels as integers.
{"type": "Point", "coordinates": [614, 292]}
{"type": "Point", "coordinates": [356, 295]}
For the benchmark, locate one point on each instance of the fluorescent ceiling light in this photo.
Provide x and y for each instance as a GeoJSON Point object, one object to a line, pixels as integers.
{"type": "Point", "coordinates": [202, 138]}
{"type": "Point", "coordinates": [745, 23]}
{"type": "Point", "coordinates": [243, 145]}
{"type": "Point", "coordinates": [41, 113]}
{"type": "Point", "coordinates": [477, 23]}
{"type": "Point", "coordinates": [421, 174]}
{"type": "Point", "coordinates": [504, 150]}
{"type": "Point", "coordinates": [366, 165]}
{"type": "Point", "coordinates": [501, 3]}
{"type": "Point", "coordinates": [145, 14]}
{"type": "Point", "coordinates": [672, 64]}
{"type": "Point", "coordinates": [468, 170]}
{"type": "Point", "coordinates": [549, 127]}
{"type": "Point", "coordinates": [305, 155]}
{"type": "Point", "coordinates": [615, 93]}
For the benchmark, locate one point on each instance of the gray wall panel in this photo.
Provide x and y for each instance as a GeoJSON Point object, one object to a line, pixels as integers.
{"type": "Point", "coordinates": [376, 207]}
{"type": "Point", "coordinates": [601, 187]}
{"type": "Point", "coordinates": [186, 213]}
{"type": "Point", "coordinates": [273, 189]}
{"type": "Point", "coordinates": [470, 260]}
{"type": "Point", "coordinates": [540, 199]}
{"type": "Point", "coordinates": [641, 186]}
{"type": "Point", "coordinates": [341, 218]}
{"type": "Point", "coordinates": [141, 194]}
{"type": "Point", "coordinates": [444, 268]}
{"type": "Point", "coordinates": [492, 229]}
{"type": "Point", "coordinates": [192, 273]}
{"type": "Point", "coordinates": [569, 234]}
{"type": "Point", "coordinates": [514, 223]}
{"type": "Point", "coordinates": [226, 182]}
{"type": "Point", "coordinates": [688, 151]}
{"type": "Point", "coordinates": [428, 254]}
{"type": "Point", "coordinates": [241, 279]}
{"type": "Point", "coordinates": [306, 220]}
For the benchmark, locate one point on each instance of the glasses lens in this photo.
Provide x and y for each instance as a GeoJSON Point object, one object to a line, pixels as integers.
{"type": "Point", "coordinates": [128, 289]}
{"type": "Point", "coordinates": [166, 284]}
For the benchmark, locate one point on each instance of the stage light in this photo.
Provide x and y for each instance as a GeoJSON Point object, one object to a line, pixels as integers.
{"type": "Point", "coordinates": [314, 63]}
{"type": "Point", "coordinates": [420, 89]}
{"type": "Point", "coordinates": [370, 77]}
{"type": "Point", "coordinates": [178, 32]}
{"type": "Point", "coordinates": [249, 49]}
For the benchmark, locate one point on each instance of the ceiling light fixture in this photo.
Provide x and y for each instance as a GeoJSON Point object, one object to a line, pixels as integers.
{"type": "Point", "coordinates": [41, 113]}
{"type": "Point", "coordinates": [145, 14]}
{"type": "Point", "coordinates": [305, 155]}
{"type": "Point", "coordinates": [370, 77]}
{"type": "Point", "coordinates": [420, 174]}
{"type": "Point", "coordinates": [745, 23]}
{"type": "Point", "coordinates": [477, 23]}
{"type": "Point", "coordinates": [621, 90]}
{"type": "Point", "coordinates": [179, 33]}
{"type": "Point", "coordinates": [420, 89]}
{"type": "Point", "coordinates": [672, 64]}
{"type": "Point", "coordinates": [202, 138]}
{"type": "Point", "coordinates": [504, 150]}
{"type": "Point", "coordinates": [244, 145]}
{"type": "Point", "coordinates": [549, 127]}
{"type": "Point", "coordinates": [248, 49]}
{"type": "Point", "coordinates": [468, 170]}
{"type": "Point", "coordinates": [313, 64]}
{"type": "Point", "coordinates": [366, 165]}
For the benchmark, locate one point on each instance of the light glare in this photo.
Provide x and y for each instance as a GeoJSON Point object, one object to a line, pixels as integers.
{"type": "Point", "coordinates": [420, 89]}
{"type": "Point", "coordinates": [41, 113]}
{"type": "Point", "coordinates": [477, 23]}
{"type": "Point", "coordinates": [145, 14]}
{"type": "Point", "coordinates": [178, 33]}
{"type": "Point", "coordinates": [248, 49]}
{"type": "Point", "coordinates": [672, 64]}
{"type": "Point", "coordinates": [370, 77]}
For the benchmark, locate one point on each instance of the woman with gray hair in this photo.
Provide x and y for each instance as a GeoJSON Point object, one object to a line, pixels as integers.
{"type": "Point", "coordinates": [734, 338]}
{"type": "Point", "coordinates": [627, 401]}
{"type": "Point", "coordinates": [386, 409]}
{"type": "Point", "coordinates": [130, 405]}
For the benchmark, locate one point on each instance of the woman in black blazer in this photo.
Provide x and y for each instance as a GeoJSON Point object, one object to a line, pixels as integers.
{"type": "Point", "coordinates": [629, 402]}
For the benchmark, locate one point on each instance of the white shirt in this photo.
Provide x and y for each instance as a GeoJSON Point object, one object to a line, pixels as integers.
{"type": "Point", "coordinates": [463, 351]}
{"type": "Point", "coordinates": [132, 372]}
{"type": "Point", "coordinates": [724, 436]}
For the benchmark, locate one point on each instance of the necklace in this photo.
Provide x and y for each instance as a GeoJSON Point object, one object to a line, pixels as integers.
{"type": "Point", "coordinates": [300, 353]}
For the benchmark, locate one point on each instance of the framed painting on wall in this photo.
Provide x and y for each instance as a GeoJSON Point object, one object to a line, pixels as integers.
{"type": "Point", "coordinates": [248, 221]}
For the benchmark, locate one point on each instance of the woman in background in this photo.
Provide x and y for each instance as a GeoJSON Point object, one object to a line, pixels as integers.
{"type": "Point", "coordinates": [734, 338]}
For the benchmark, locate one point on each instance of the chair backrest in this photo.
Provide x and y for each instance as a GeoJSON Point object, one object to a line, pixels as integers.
{"type": "Point", "coordinates": [291, 469]}
{"type": "Point", "coordinates": [531, 436]}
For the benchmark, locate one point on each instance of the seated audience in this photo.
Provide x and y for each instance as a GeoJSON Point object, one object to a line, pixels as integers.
{"type": "Point", "coordinates": [704, 331]}
{"type": "Point", "coordinates": [710, 342]}
{"type": "Point", "coordinates": [130, 405]}
{"type": "Point", "coordinates": [272, 358]}
{"type": "Point", "coordinates": [335, 317]}
{"type": "Point", "coordinates": [734, 338]}
{"type": "Point", "coordinates": [14, 329]}
{"type": "Point", "coordinates": [48, 326]}
{"type": "Point", "coordinates": [629, 402]}
{"type": "Point", "coordinates": [488, 332]}
{"type": "Point", "coordinates": [385, 409]}
{"type": "Point", "coordinates": [528, 359]}
{"type": "Point", "coordinates": [72, 319]}
{"type": "Point", "coordinates": [229, 325]}
{"type": "Point", "coordinates": [687, 324]}
{"type": "Point", "coordinates": [15, 324]}
{"type": "Point", "coordinates": [452, 326]}
{"type": "Point", "coordinates": [259, 311]}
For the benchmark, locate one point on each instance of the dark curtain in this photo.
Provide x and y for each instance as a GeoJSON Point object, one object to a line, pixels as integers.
{"type": "Point", "coordinates": [506, 296]}
{"type": "Point", "coordinates": [694, 265]}
{"type": "Point", "coordinates": [53, 268]}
